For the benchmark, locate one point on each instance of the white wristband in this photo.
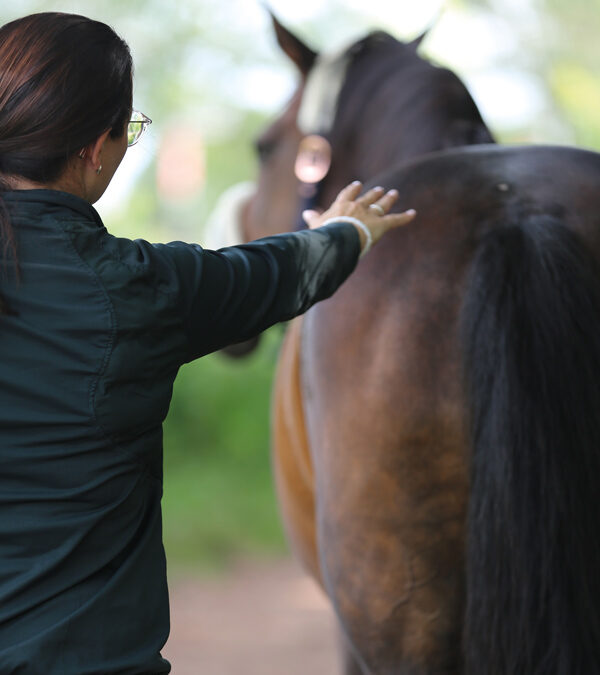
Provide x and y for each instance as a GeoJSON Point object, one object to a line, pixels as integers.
{"type": "Point", "coordinates": [360, 225]}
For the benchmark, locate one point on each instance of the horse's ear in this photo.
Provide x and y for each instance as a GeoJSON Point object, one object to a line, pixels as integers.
{"type": "Point", "coordinates": [416, 43]}
{"type": "Point", "coordinates": [302, 55]}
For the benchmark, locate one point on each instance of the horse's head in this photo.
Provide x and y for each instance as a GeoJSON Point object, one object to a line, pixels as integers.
{"type": "Point", "coordinates": [354, 115]}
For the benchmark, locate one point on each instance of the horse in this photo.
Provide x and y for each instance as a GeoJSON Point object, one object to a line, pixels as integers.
{"type": "Point", "coordinates": [435, 427]}
{"type": "Point", "coordinates": [444, 427]}
{"type": "Point", "coordinates": [385, 68]}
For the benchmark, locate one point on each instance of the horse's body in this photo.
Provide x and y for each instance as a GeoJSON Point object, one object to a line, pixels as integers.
{"type": "Point", "coordinates": [375, 494]}
{"type": "Point", "coordinates": [435, 433]}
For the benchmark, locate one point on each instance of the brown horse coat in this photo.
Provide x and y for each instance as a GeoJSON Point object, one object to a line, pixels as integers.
{"type": "Point", "coordinates": [435, 422]}
{"type": "Point", "coordinates": [372, 454]}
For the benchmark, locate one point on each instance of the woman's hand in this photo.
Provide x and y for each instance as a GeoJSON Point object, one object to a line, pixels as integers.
{"type": "Point", "coordinates": [371, 209]}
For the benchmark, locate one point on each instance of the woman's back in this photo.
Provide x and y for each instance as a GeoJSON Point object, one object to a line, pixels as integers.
{"type": "Point", "coordinates": [80, 527]}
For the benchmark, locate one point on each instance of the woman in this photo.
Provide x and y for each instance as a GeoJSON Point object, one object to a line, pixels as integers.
{"type": "Point", "coordinates": [92, 332]}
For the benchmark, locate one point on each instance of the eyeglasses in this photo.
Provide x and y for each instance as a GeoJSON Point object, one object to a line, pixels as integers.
{"type": "Point", "coordinates": [136, 127]}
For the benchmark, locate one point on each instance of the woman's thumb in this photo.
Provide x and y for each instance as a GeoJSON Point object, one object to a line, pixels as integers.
{"type": "Point", "coordinates": [311, 217]}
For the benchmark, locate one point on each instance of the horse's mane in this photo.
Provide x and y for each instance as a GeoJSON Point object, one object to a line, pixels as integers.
{"type": "Point", "coordinates": [381, 81]}
{"type": "Point", "coordinates": [327, 77]}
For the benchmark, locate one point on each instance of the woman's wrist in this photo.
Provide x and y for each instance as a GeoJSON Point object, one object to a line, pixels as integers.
{"type": "Point", "coordinates": [364, 234]}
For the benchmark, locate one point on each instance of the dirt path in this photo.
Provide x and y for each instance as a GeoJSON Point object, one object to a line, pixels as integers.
{"type": "Point", "coordinates": [261, 619]}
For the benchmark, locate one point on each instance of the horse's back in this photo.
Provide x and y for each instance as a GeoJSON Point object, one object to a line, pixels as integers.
{"type": "Point", "coordinates": [384, 402]}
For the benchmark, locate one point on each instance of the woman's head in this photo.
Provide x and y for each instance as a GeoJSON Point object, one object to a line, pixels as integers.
{"type": "Point", "coordinates": [65, 94]}
{"type": "Point", "coordinates": [64, 81]}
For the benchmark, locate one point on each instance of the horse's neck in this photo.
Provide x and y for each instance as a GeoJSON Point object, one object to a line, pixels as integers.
{"type": "Point", "coordinates": [391, 115]}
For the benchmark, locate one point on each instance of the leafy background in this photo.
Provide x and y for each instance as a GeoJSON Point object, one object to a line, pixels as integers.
{"type": "Point", "coordinates": [210, 75]}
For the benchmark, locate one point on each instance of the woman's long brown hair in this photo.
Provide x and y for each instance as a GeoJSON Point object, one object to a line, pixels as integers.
{"type": "Point", "coordinates": [64, 80]}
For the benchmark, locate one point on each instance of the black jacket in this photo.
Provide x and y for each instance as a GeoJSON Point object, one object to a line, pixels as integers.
{"type": "Point", "coordinates": [87, 362]}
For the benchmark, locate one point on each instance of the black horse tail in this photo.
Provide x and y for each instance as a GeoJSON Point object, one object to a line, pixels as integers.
{"type": "Point", "coordinates": [531, 339]}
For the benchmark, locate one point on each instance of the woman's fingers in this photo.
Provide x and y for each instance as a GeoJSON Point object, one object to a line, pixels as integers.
{"type": "Point", "coordinates": [397, 219]}
{"type": "Point", "coordinates": [376, 195]}
{"type": "Point", "coordinates": [371, 196]}
{"type": "Point", "coordinates": [386, 202]}
{"type": "Point", "coordinates": [371, 208]}
{"type": "Point", "coordinates": [350, 192]}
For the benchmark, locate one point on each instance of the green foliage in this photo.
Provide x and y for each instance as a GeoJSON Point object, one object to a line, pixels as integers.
{"type": "Point", "coordinates": [577, 91]}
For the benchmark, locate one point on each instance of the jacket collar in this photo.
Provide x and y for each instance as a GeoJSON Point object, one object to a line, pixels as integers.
{"type": "Point", "coordinates": [40, 201]}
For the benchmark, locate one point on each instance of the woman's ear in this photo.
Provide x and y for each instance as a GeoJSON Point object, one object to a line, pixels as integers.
{"type": "Point", "coordinates": [93, 152]}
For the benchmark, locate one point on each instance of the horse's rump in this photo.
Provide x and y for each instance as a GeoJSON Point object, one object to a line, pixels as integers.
{"type": "Point", "coordinates": [386, 407]}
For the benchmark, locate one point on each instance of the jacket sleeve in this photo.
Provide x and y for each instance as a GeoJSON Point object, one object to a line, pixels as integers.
{"type": "Point", "coordinates": [230, 295]}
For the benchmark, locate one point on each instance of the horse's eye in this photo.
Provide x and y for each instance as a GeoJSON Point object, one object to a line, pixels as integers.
{"type": "Point", "coordinates": [264, 148]}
